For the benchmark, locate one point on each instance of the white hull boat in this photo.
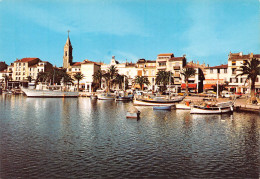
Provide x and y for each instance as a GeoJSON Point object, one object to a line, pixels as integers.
{"type": "Point", "coordinates": [184, 106]}
{"type": "Point", "coordinates": [49, 93]}
{"type": "Point", "coordinates": [211, 110]}
{"type": "Point", "coordinates": [144, 102]}
{"type": "Point", "coordinates": [106, 97]}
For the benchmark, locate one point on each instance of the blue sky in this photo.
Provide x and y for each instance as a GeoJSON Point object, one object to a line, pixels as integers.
{"type": "Point", "coordinates": [204, 30]}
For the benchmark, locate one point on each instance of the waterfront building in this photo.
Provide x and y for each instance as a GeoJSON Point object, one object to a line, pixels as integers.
{"type": "Point", "coordinates": [168, 62]}
{"type": "Point", "coordinates": [22, 68]}
{"type": "Point", "coordinates": [240, 83]}
{"type": "Point", "coordinates": [147, 68]}
{"type": "Point", "coordinates": [88, 68]}
{"type": "Point", "coordinates": [196, 81]}
{"type": "Point", "coordinates": [214, 75]}
{"type": "Point", "coordinates": [127, 69]}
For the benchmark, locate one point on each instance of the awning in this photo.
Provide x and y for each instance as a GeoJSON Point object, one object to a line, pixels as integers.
{"type": "Point", "coordinates": [208, 86]}
{"type": "Point", "coordinates": [193, 86]}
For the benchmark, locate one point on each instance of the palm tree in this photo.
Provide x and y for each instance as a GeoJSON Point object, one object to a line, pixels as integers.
{"type": "Point", "coordinates": [141, 80]}
{"type": "Point", "coordinates": [187, 73]}
{"type": "Point", "coordinates": [119, 80]}
{"type": "Point", "coordinates": [78, 77]}
{"type": "Point", "coordinates": [162, 78]}
{"type": "Point", "coordinates": [251, 69]}
{"type": "Point", "coordinates": [98, 77]}
{"type": "Point", "coordinates": [110, 76]}
{"type": "Point", "coordinates": [29, 78]}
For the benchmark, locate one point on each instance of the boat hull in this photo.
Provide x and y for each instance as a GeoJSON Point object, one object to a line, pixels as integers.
{"type": "Point", "coordinates": [211, 110]}
{"type": "Point", "coordinates": [49, 94]}
{"type": "Point", "coordinates": [123, 99]}
{"type": "Point", "coordinates": [162, 107]}
{"type": "Point", "coordinates": [133, 115]}
{"type": "Point", "coordinates": [140, 102]}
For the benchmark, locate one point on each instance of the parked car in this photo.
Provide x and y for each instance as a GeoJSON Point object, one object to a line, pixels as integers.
{"type": "Point", "coordinates": [227, 94]}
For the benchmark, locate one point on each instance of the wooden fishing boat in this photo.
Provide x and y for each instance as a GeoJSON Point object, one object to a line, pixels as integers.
{"type": "Point", "coordinates": [157, 102]}
{"type": "Point", "coordinates": [196, 109]}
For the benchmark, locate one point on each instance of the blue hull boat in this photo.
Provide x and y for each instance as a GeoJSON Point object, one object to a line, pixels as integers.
{"type": "Point", "coordinates": [162, 107]}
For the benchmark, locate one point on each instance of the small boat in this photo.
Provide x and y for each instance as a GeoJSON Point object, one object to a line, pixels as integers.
{"type": "Point", "coordinates": [93, 96]}
{"type": "Point", "coordinates": [162, 107]}
{"type": "Point", "coordinates": [157, 101]}
{"type": "Point", "coordinates": [185, 105]}
{"type": "Point", "coordinates": [123, 98]}
{"type": "Point", "coordinates": [106, 96]}
{"type": "Point", "coordinates": [196, 109]}
{"type": "Point", "coordinates": [133, 113]}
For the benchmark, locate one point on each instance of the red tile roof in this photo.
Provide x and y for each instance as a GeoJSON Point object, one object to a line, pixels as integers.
{"type": "Point", "coordinates": [177, 58]}
{"type": "Point", "coordinates": [76, 64]}
{"type": "Point", "coordinates": [235, 57]}
{"type": "Point", "coordinates": [256, 56]}
{"type": "Point", "coordinates": [90, 62]}
{"type": "Point", "coordinates": [218, 67]}
{"type": "Point", "coordinates": [26, 59]}
{"type": "Point", "coordinates": [165, 54]}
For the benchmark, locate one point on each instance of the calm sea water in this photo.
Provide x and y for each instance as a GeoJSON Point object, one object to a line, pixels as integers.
{"type": "Point", "coordinates": [81, 138]}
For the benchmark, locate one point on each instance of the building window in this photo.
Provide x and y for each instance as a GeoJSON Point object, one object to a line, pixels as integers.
{"type": "Point", "coordinates": [225, 70]}
{"type": "Point", "coordinates": [233, 71]}
{"type": "Point", "coordinates": [211, 70]}
{"type": "Point", "coordinates": [233, 63]}
{"type": "Point", "coordinates": [256, 80]}
{"type": "Point", "coordinates": [65, 53]}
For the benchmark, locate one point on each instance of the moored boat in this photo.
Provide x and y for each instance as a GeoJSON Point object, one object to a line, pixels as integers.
{"type": "Point", "coordinates": [50, 92]}
{"type": "Point", "coordinates": [157, 102]}
{"type": "Point", "coordinates": [133, 113]}
{"type": "Point", "coordinates": [162, 107]}
{"type": "Point", "coordinates": [196, 109]}
{"type": "Point", "coordinates": [106, 96]}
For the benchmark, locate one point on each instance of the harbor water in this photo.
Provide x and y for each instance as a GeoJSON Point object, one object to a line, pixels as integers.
{"type": "Point", "coordinates": [84, 138]}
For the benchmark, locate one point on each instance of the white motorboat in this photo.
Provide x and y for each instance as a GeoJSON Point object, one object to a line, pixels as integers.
{"type": "Point", "coordinates": [50, 92]}
{"type": "Point", "coordinates": [157, 102]}
{"type": "Point", "coordinates": [106, 96]}
{"type": "Point", "coordinates": [196, 109]}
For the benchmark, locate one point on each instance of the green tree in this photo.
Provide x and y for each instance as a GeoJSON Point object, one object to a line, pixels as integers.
{"type": "Point", "coordinates": [110, 76]}
{"type": "Point", "coordinates": [29, 78]}
{"type": "Point", "coordinates": [78, 77]}
{"type": "Point", "coordinates": [251, 68]}
{"type": "Point", "coordinates": [98, 77]}
{"type": "Point", "coordinates": [141, 80]}
{"type": "Point", "coordinates": [120, 80]}
{"type": "Point", "coordinates": [187, 73]}
{"type": "Point", "coordinates": [163, 78]}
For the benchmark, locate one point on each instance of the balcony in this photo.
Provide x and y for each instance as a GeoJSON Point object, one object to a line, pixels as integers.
{"type": "Point", "coordinates": [176, 67]}
{"type": "Point", "coordinates": [177, 75]}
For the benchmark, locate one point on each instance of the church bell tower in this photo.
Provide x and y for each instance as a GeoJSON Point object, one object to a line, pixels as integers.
{"type": "Point", "coordinates": [67, 56]}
